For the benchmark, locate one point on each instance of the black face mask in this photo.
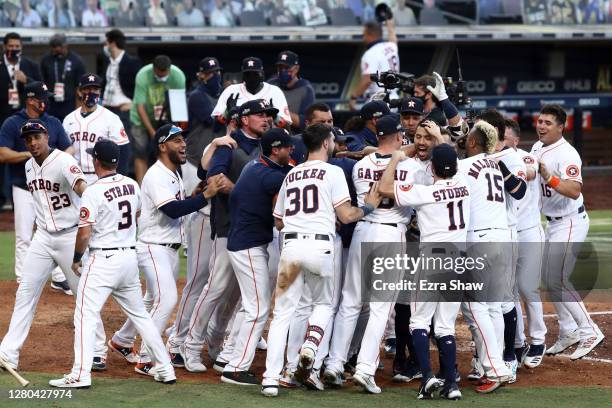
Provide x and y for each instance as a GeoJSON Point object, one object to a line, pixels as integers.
{"type": "Point", "coordinates": [252, 81]}
{"type": "Point", "coordinates": [13, 54]}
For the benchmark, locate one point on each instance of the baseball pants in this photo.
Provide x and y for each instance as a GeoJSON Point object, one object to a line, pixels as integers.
{"type": "Point", "coordinates": [24, 214]}
{"type": "Point", "coordinates": [528, 277]}
{"type": "Point", "coordinates": [562, 237]}
{"type": "Point", "coordinates": [111, 273]}
{"type": "Point", "coordinates": [160, 266]}
{"type": "Point", "coordinates": [47, 250]}
{"type": "Point", "coordinates": [304, 262]}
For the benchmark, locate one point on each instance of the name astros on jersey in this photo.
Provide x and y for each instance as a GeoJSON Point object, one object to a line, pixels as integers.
{"type": "Point", "coordinates": [51, 184]}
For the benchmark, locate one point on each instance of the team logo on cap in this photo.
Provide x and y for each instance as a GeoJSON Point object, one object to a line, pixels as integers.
{"type": "Point", "coordinates": [377, 114]}
{"type": "Point", "coordinates": [572, 170]}
{"type": "Point", "coordinates": [411, 104]}
{"type": "Point", "coordinates": [84, 214]}
{"type": "Point", "coordinates": [91, 78]}
{"type": "Point", "coordinates": [211, 63]}
{"type": "Point", "coordinates": [405, 187]}
{"type": "Point", "coordinates": [75, 169]}
{"type": "Point", "coordinates": [284, 57]}
{"type": "Point", "coordinates": [44, 87]}
{"type": "Point", "coordinates": [251, 63]}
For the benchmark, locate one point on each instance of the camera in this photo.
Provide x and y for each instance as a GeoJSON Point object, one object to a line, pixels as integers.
{"type": "Point", "coordinates": [394, 80]}
{"type": "Point", "coordinates": [457, 92]}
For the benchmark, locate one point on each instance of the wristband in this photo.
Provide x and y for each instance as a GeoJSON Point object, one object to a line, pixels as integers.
{"type": "Point", "coordinates": [554, 181]}
{"type": "Point", "coordinates": [450, 110]}
{"type": "Point", "coordinates": [77, 257]}
{"type": "Point", "coordinates": [367, 209]}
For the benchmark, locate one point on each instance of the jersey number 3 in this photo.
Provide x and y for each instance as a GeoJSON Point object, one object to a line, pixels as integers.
{"type": "Point", "coordinates": [126, 215]}
{"type": "Point", "coordinates": [306, 199]}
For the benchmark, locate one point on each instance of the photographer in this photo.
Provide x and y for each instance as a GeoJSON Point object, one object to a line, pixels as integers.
{"type": "Point", "coordinates": [380, 56]}
{"type": "Point", "coordinates": [357, 140]}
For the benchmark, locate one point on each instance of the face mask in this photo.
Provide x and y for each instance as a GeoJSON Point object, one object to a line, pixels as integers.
{"type": "Point", "coordinates": [252, 81]}
{"type": "Point", "coordinates": [91, 99]}
{"type": "Point", "coordinates": [106, 51]}
{"type": "Point", "coordinates": [422, 99]}
{"type": "Point", "coordinates": [13, 54]}
{"type": "Point", "coordinates": [162, 79]}
{"type": "Point", "coordinates": [41, 107]}
{"type": "Point", "coordinates": [214, 85]}
{"type": "Point", "coordinates": [284, 77]}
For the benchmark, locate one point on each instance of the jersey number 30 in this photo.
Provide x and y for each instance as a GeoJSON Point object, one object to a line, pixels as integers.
{"type": "Point", "coordinates": [126, 215]}
{"type": "Point", "coordinates": [306, 199]}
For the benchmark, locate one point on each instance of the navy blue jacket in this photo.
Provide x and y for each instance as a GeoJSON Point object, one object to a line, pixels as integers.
{"type": "Point", "coordinates": [200, 107]}
{"type": "Point", "coordinates": [221, 160]}
{"type": "Point", "coordinates": [10, 136]}
{"type": "Point", "coordinates": [299, 97]}
{"type": "Point", "coordinates": [357, 141]}
{"type": "Point", "coordinates": [251, 220]}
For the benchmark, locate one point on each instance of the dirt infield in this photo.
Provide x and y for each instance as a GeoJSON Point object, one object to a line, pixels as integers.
{"type": "Point", "coordinates": [49, 347]}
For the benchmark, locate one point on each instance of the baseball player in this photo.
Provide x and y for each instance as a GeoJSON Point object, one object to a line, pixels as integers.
{"type": "Point", "coordinates": [107, 226]}
{"type": "Point", "coordinates": [312, 194]}
{"type": "Point", "coordinates": [251, 225]}
{"type": "Point", "coordinates": [450, 194]}
{"type": "Point", "coordinates": [488, 225]}
{"type": "Point", "coordinates": [161, 233]}
{"type": "Point", "coordinates": [251, 88]}
{"type": "Point", "coordinates": [529, 263]}
{"type": "Point", "coordinates": [91, 122]}
{"type": "Point", "coordinates": [386, 224]}
{"type": "Point", "coordinates": [560, 180]}
{"type": "Point", "coordinates": [56, 184]}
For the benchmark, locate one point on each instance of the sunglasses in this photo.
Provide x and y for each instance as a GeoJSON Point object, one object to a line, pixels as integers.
{"type": "Point", "coordinates": [30, 127]}
{"type": "Point", "coordinates": [173, 131]}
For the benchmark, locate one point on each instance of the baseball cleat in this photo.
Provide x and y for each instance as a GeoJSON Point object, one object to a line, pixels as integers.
{"type": "Point", "coordinates": [287, 379]}
{"type": "Point", "coordinates": [428, 388]}
{"type": "Point", "coordinates": [332, 378]}
{"type": "Point", "coordinates": [145, 369]}
{"type": "Point", "coordinates": [192, 363]}
{"type": "Point", "coordinates": [99, 364]}
{"type": "Point", "coordinates": [177, 360]}
{"type": "Point", "coordinates": [520, 353]}
{"type": "Point", "coordinates": [407, 373]}
{"type": "Point", "coordinates": [68, 381]}
{"type": "Point", "coordinates": [239, 378]}
{"type": "Point", "coordinates": [476, 372]}
{"type": "Point", "coordinates": [534, 356]}
{"type": "Point", "coordinates": [512, 366]}
{"type": "Point", "coordinates": [262, 345]}
{"type": "Point", "coordinates": [390, 347]}
{"type": "Point", "coordinates": [314, 382]}
{"type": "Point", "coordinates": [219, 366]}
{"type": "Point", "coordinates": [128, 353]}
{"type": "Point", "coordinates": [307, 358]}
{"type": "Point", "coordinates": [366, 382]}
{"type": "Point", "coordinates": [564, 342]}
{"type": "Point", "coordinates": [165, 374]}
{"type": "Point", "coordinates": [586, 346]}
{"type": "Point", "coordinates": [440, 377]}
{"type": "Point", "coordinates": [269, 390]}
{"type": "Point", "coordinates": [62, 286]}
{"type": "Point", "coordinates": [486, 386]}
{"type": "Point", "coordinates": [451, 393]}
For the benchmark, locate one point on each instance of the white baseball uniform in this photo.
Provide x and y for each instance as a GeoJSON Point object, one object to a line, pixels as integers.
{"type": "Point", "coordinates": [109, 206]}
{"type": "Point", "coordinates": [306, 204]}
{"type": "Point", "coordinates": [57, 213]}
{"type": "Point", "coordinates": [379, 57]}
{"type": "Point", "coordinates": [529, 264]}
{"type": "Point", "coordinates": [568, 222]}
{"type": "Point", "coordinates": [268, 93]}
{"type": "Point", "coordinates": [387, 223]}
{"type": "Point", "coordinates": [85, 131]}
{"type": "Point", "coordinates": [157, 249]}
{"type": "Point", "coordinates": [489, 226]}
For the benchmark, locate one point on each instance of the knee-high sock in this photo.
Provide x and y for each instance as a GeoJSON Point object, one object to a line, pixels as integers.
{"type": "Point", "coordinates": [448, 357]}
{"type": "Point", "coordinates": [509, 334]}
{"type": "Point", "coordinates": [403, 338]}
{"type": "Point", "coordinates": [420, 339]}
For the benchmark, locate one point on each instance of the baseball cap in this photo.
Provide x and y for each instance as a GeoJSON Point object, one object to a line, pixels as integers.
{"type": "Point", "coordinates": [252, 64]}
{"type": "Point", "coordinates": [37, 90]}
{"type": "Point", "coordinates": [374, 109]}
{"type": "Point", "coordinates": [444, 160]}
{"type": "Point", "coordinates": [209, 64]}
{"type": "Point", "coordinates": [339, 136]}
{"type": "Point", "coordinates": [388, 125]}
{"type": "Point", "coordinates": [105, 150]}
{"type": "Point", "coordinates": [166, 132]}
{"type": "Point", "coordinates": [288, 58]}
{"type": "Point", "coordinates": [57, 40]}
{"type": "Point", "coordinates": [275, 137]}
{"type": "Point", "coordinates": [412, 105]}
{"type": "Point", "coordinates": [257, 106]}
{"type": "Point", "coordinates": [90, 80]}
{"type": "Point", "coordinates": [33, 126]}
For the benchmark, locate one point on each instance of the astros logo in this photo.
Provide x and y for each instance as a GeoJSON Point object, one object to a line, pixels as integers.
{"type": "Point", "coordinates": [572, 171]}
{"type": "Point", "coordinates": [84, 214]}
{"type": "Point", "coordinates": [405, 188]}
{"type": "Point", "coordinates": [75, 170]}
{"type": "Point", "coordinates": [528, 160]}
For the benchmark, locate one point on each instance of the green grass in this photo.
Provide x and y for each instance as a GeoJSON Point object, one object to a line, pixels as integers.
{"type": "Point", "coordinates": [142, 393]}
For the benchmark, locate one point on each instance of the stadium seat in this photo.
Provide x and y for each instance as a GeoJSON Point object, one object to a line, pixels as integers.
{"type": "Point", "coordinates": [342, 17]}
{"type": "Point", "coordinates": [432, 17]}
{"type": "Point", "coordinates": [253, 18]}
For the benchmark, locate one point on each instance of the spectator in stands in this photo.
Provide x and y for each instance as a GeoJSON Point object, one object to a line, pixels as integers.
{"type": "Point", "coordinates": [110, 8]}
{"type": "Point", "coordinates": [404, 16]}
{"type": "Point", "coordinates": [266, 7]}
{"type": "Point", "coordinates": [221, 15]}
{"type": "Point", "coordinates": [130, 15]}
{"type": "Point", "coordinates": [430, 14]}
{"type": "Point", "coordinates": [44, 8]}
{"type": "Point", "coordinates": [356, 6]}
{"type": "Point", "coordinates": [282, 15]}
{"type": "Point", "coordinates": [119, 71]}
{"type": "Point", "coordinates": [591, 11]}
{"type": "Point", "coordinates": [563, 12]}
{"type": "Point", "coordinates": [156, 14]}
{"type": "Point", "coordinates": [5, 20]}
{"type": "Point", "coordinates": [27, 17]}
{"type": "Point", "coordinates": [535, 12]}
{"type": "Point", "coordinates": [297, 7]}
{"type": "Point", "coordinates": [93, 16]}
{"type": "Point", "coordinates": [314, 15]}
{"type": "Point", "coordinates": [190, 16]}
{"type": "Point", "coordinates": [61, 70]}
{"type": "Point", "coordinates": [61, 16]}
{"type": "Point", "coordinates": [150, 110]}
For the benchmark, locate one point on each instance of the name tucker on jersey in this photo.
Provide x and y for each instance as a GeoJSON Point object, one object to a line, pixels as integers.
{"type": "Point", "coordinates": [119, 191]}
{"type": "Point", "coordinates": [305, 174]}
{"type": "Point", "coordinates": [375, 175]}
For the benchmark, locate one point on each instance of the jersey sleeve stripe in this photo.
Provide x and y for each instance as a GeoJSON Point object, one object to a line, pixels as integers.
{"type": "Point", "coordinates": [76, 180]}
{"type": "Point", "coordinates": [165, 202]}
{"type": "Point", "coordinates": [344, 200]}
{"type": "Point", "coordinates": [277, 215]}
